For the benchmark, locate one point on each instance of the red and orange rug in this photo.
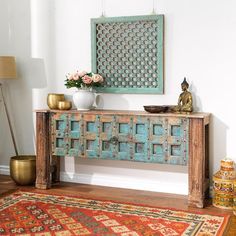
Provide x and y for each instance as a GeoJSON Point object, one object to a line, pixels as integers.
{"type": "Point", "coordinates": [30, 213]}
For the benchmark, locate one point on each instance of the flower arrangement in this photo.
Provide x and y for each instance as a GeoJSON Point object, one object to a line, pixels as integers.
{"type": "Point", "coordinates": [83, 79]}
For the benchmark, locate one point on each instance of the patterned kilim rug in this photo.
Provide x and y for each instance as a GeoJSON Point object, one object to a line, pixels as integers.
{"type": "Point", "coordinates": [32, 213]}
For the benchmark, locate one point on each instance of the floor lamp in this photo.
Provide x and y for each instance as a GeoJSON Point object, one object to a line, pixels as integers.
{"type": "Point", "coordinates": [8, 71]}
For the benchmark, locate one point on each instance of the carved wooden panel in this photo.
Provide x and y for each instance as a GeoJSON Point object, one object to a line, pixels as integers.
{"type": "Point", "coordinates": [128, 53]}
{"type": "Point", "coordinates": [59, 131]}
{"type": "Point", "coordinates": [117, 137]}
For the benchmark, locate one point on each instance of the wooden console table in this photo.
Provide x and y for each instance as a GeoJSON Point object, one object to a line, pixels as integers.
{"type": "Point", "coordinates": [176, 139]}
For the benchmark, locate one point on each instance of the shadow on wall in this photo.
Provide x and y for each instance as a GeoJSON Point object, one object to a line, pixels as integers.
{"type": "Point", "coordinates": [100, 100]}
{"type": "Point", "coordinates": [31, 74]}
{"type": "Point", "coordinates": [197, 103]}
{"type": "Point", "coordinates": [73, 165]}
{"type": "Point", "coordinates": [16, 24]}
{"type": "Point", "coordinates": [217, 129]}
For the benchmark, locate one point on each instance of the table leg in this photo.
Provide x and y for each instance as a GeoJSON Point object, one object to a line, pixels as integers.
{"type": "Point", "coordinates": [196, 168]}
{"type": "Point", "coordinates": [43, 180]}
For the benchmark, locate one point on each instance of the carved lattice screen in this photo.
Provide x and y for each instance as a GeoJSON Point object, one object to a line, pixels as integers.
{"type": "Point", "coordinates": [128, 53]}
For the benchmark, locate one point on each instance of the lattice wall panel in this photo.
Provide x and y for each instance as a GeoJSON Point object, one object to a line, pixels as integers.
{"type": "Point", "coordinates": [128, 53]}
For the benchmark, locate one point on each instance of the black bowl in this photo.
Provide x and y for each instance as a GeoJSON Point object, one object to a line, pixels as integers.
{"type": "Point", "coordinates": [156, 109]}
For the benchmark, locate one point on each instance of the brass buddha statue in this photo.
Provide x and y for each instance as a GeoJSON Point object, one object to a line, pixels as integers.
{"type": "Point", "coordinates": [185, 102]}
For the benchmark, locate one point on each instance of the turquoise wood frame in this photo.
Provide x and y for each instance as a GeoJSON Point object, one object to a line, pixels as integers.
{"type": "Point", "coordinates": [122, 80]}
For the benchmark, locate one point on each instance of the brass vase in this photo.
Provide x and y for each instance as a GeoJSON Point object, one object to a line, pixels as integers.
{"type": "Point", "coordinates": [64, 105]}
{"type": "Point", "coordinates": [23, 169]}
{"type": "Point", "coordinates": [53, 99]}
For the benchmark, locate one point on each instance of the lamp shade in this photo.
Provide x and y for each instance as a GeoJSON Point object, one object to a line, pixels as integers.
{"type": "Point", "coordinates": [7, 67]}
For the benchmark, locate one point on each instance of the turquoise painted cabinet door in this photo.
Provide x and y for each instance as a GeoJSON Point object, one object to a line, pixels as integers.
{"type": "Point", "coordinates": [169, 140]}
{"type": "Point", "coordinates": [59, 127]}
{"type": "Point", "coordinates": [158, 140]}
{"type": "Point", "coordinates": [107, 139]}
{"type": "Point", "coordinates": [66, 134]}
{"type": "Point", "coordinates": [91, 135]}
{"type": "Point", "coordinates": [123, 130]}
{"type": "Point", "coordinates": [74, 135]}
{"type": "Point", "coordinates": [140, 138]}
{"type": "Point", "coordinates": [121, 137]}
{"type": "Point", "coordinates": [178, 139]}
{"type": "Point", "coordinates": [115, 137]}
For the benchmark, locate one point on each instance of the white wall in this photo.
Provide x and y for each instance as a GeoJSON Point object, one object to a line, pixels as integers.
{"type": "Point", "coordinates": [52, 38]}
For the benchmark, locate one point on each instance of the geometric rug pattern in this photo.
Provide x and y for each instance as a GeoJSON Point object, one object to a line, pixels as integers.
{"type": "Point", "coordinates": [26, 213]}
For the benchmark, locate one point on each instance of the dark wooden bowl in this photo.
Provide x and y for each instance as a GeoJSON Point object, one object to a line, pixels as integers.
{"type": "Point", "coordinates": [156, 109]}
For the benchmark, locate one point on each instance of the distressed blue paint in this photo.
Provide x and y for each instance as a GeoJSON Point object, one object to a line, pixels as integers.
{"type": "Point", "coordinates": [157, 149]}
{"type": "Point", "coordinates": [106, 146]}
{"type": "Point", "coordinates": [123, 150]}
{"type": "Point", "coordinates": [91, 127]}
{"type": "Point", "coordinates": [91, 154]}
{"type": "Point", "coordinates": [90, 145]}
{"type": "Point", "coordinates": [74, 129]}
{"type": "Point", "coordinates": [170, 135]}
{"type": "Point", "coordinates": [176, 130]}
{"type": "Point", "coordinates": [107, 155]}
{"type": "Point", "coordinates": [91, 149]}
{"type": "Point", "coordinates": [74, 125]}
{"type": "Point", "coordinates": [176, 160]}
{"type": "Point", "coordinates": [60, 147]}
{"type": "Point", "coordinates": [175, 150]}
{"type": "Point", "coordinates": [139, 147]}
{"type": "Point", "coordinates": [117, 137]}
{"type": "Point", "coordinates": [124, 128]}
{"type": "Point", "coordinates": [158, 129]}
{"type": "Point", "coordinates": [158, 159]}
{"type": "Point", "coordinates": [73, 152]}
{"type": "Point", "coordinates": [141, 129]}
{"type": "Point", "coordinates": [91, 136]}
{"type": "Point", "coordinates": [59, 124]}
{"type": "Point", "coordinates": [140, 136]}
{"type": "Point", "coordinates": [123, 147]}
{"type": "Point", "coordinates": [75, 143]}
{"type": "Point", "coordinates": [74, 135]}
{"type": "Point", "coordinates": [60, 143]}
{"type": "Point", "coordinates": [106, 127]}
{"type": "Point", "coordinates": [157, 143]}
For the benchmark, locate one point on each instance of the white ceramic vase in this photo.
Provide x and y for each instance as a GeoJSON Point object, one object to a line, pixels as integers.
{"type": "Point", "coordinates": [84, 99]}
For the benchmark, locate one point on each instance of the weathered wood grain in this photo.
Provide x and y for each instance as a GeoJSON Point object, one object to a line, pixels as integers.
{"type": "Point", "coordinates": [126, 135]}
{"type": "Point", "coordinates": [42, 151]}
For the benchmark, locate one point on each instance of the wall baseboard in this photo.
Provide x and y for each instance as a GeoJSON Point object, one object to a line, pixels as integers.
{"type": "Point", "coordinates": [117, 182]}
{"type": "Point", "coordinates": [126, 182]}
{"type": "Point", "coordinates": [4, 170]}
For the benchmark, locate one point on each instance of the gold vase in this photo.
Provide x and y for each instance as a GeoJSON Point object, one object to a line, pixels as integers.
{"type": "Point", "coordinates": [53, 99]}
{"type": "Point", "coordinates": [64, 105]}
{"type": "Point", "coordinates": [23, 169]}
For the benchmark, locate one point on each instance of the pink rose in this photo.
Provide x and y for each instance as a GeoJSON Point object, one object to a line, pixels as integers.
{"type": "Point", "coordinates": [82, 73]}
{"type": "Point", "coordinates": [87, 79]}
{"type": "Point", "coordinates": [97, 78]}
{"type": "Point", "coordinates": [75, 76]}
{"type": "Point", "coordinates": [70, 77]}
